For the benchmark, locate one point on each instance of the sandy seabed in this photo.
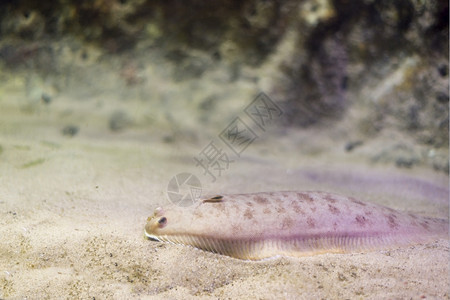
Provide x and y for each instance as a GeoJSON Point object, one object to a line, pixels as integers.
{"type": "Point", "coordinates": [72, 213]}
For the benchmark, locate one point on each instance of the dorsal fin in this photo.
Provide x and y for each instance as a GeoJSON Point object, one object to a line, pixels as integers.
{"type": "Point", "coordinates": [214, 199]}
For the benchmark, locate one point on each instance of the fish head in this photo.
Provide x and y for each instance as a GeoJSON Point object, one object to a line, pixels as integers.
{"type": "Point", "coordinates": [164, 223]}
{"type": "Point", "coordinates": [155, 223]}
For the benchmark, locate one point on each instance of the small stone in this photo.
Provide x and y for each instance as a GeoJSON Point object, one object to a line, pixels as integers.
{"type": "Point", "coordinates": [46, 98]}
{"type": "Point", "coordinates": [352, 145]}
{"type": "Point", "coordinates": [442, 97]}
{"type": "Point", "coordinates": [119, 121]}
{"type": "Point", "coordinates": [341, 277]}
{"type": "Point", "coordinates": [443, 70]}
{"type": "Point", "coordinates": [403, 162]}
{"type": "Point", "coordinates": [440, 163]}
{"type": "Point", "coordinates": [70, 130]}
{"type": "Point", "coordinates": [168, 139]}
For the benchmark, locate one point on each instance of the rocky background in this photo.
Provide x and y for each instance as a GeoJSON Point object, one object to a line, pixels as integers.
{"type": "Point", "coordinates": [380, 65]}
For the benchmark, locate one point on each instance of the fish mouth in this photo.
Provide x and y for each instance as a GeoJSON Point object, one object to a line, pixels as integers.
{"type": "Point", "coordinates": [151, 237]}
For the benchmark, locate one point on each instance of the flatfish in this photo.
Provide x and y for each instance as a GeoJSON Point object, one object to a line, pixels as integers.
{"type": "Point", "coordinates": [268, 224]}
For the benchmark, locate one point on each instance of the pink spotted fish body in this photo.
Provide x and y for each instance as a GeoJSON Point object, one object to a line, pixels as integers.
{"type": "Point", "coordinates": [262, 225]}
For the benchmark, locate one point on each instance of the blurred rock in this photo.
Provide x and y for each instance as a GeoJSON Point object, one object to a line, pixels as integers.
{"type": "Point", "coordinates": [350, 146]}
{"type": "Point", "coordinates": [402, 155]}
{"type": "Point", "coordinates": [46, 98]}
{"type": "Point", "coordinates": [119, 120]}
{"type": "Point", "coordinates": [70, 130]}
{"type": "Point", "coordinates": [377, 65]}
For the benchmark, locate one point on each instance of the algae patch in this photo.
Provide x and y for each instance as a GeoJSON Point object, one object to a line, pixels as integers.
{"type": "Point", "coordinates": [33, 163]}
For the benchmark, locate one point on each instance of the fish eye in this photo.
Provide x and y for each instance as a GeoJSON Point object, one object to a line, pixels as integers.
{"type": "Point", "coordinates": [162, 221]}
